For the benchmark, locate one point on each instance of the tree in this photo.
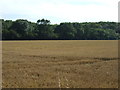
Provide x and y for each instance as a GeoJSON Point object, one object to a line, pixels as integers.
{"type": "Point", "coordinates": [44, 30]}
{"type": "Point", "coordinates": [80, 31]}
{"type": "Point", "coordinates": [66, 31]}
{"type": "Point", "coordinates": [43, 21]}
{"type": "Point", "coordinates": [22, 27]}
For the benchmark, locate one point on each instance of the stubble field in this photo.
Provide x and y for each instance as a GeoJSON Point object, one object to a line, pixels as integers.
{"type": "Point", "coordinates": [60, 64]}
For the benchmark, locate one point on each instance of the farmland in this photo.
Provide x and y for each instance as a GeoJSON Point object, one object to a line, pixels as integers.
{"type": "Point", "coordinates": [60, 64]}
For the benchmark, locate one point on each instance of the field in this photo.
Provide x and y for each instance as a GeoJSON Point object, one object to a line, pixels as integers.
{"type": "Point", "coordinates": [60, 64]}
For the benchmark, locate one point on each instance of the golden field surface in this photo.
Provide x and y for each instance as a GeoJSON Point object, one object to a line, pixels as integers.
{"type": "Point", "coordinates": [60, 64]}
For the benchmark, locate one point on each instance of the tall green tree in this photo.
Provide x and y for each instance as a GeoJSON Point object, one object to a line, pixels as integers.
{"type": "Point", "coordinates": [44, 29]}
{"type": "Point", "coordinates": [66, 31]}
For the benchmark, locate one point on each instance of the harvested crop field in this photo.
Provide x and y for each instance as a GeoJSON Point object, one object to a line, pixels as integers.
{"type": "Point", "coordinates": [60, 64]}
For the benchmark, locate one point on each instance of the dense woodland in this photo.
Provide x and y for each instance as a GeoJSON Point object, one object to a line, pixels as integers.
{"type": "Point", "coordinates": [43, 30]}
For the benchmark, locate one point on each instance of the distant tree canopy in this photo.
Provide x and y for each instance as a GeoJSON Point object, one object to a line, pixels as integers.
{"type": "Point", "coordinates": [43, 30]}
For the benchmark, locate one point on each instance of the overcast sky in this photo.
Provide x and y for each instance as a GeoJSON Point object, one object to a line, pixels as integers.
{"type": "Point", "coordinates": [60, 10]}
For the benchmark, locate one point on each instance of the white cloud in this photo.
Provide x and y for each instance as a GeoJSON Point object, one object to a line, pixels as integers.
{"type": "Point", "coordinates": [60, 10]}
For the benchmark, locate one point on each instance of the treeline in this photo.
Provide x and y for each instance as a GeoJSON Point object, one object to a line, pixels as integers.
{"type": "Point", "coordinates": [43, 30]}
